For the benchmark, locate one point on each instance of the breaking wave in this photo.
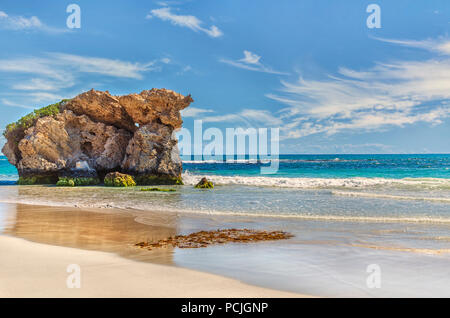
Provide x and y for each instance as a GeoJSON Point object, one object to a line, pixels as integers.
{"type": "Point", "coordinates": [319, 183]}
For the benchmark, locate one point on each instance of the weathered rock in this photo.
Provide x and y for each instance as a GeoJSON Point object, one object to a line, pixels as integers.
{"type": "Point", "coordinates": [156, 105]}
{"type": "Point", "coordinates": [9, 150]}
{"type": "Point", "coordinates": [204, 184]}
{"type": "Point", "coordinates": [96, 133]}
{"type": "Point", "coordinates": [101, 107]}
{"type": "Point", "coordinates": [71, 145]}
{"type": "Point", "coordinates": [153, 151]}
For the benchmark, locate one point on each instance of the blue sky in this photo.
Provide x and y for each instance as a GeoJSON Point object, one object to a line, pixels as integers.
{"type": "Point", "coordinates": [312, 68]}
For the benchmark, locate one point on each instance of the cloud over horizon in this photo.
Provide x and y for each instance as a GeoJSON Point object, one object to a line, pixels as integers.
{"type": "Point", "coordinates": [395, 93]}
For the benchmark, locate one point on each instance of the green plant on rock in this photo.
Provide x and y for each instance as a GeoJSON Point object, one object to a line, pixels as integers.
{"type": "Point", "coordinates": [30, 119]}
{"type": "Point", "coordinates": [116, 179]}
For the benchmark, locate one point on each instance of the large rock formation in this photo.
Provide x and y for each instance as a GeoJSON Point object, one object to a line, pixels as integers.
{"type": "Point", "coordinates": [96, 133]}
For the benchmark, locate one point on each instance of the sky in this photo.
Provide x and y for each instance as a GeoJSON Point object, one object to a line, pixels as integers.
{"type": "Point", "coordinates": [313, 69]}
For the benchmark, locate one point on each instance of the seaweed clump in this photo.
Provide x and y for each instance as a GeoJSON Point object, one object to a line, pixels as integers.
{"type": "Point", "coordinates": [36, 180]}
{"type": "Point", "coordinates": [76, 182]}
{"type": "Point", "coordinates": [117, 179]}
{"type": "Point", "coordinates": [205, 238]}
{"type": "Point", "coordinates": [158, 180]}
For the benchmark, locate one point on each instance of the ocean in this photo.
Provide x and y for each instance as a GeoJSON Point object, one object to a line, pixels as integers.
{"type": "Point", "coordinates": [346, 212]}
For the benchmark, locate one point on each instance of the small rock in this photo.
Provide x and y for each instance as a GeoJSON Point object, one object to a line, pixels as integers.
{"type": "Point", "coordinates": [204, 184]}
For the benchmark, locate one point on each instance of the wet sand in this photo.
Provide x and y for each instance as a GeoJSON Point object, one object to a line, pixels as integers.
{"type": "Point", "coordinates": [38, 243]}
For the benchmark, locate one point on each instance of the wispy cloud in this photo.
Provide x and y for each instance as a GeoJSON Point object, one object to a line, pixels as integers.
{"type": "Point", "coordinates": [57, 70]}
{"type": "Point", "coordinates": [390, 94]}
{"type": "Point", "coordinates": [441, 46]}
{"type": "Point", "coordinates": [49, 77]}
{"type": "Point", "coordinates": [194, 112]}
{"type": "Point", "coordinates": [186, 21]}
{"type": "Point", "coordinates": [20, 23]}
{"type": "Point", "coordinates": [41, 84]}
{"type": "Point", "coordinates": [104, 66]}
{"type": "Point", "coordinates": [9, 103]}
{"type": "Point", "coordinates": [250, 117]}
{"type": "Point", "coordinates": [251, 62]}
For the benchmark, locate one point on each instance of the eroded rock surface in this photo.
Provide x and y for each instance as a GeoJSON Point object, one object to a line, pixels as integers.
{"type": "Point", "coordinates": [153, 150]}
{"type": "Point", "coordinates": [95, 133]}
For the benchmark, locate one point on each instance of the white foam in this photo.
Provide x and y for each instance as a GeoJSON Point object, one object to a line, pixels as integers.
{"type": "Point", "coordinates": [316, 183]}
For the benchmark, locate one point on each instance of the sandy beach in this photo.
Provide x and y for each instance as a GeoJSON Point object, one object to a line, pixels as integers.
{"type": "Point", "coordinates": [30, 269]}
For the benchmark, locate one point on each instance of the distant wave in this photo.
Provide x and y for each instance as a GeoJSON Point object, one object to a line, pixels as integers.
{"type": "Point", "coordinates": [318, 183]}
{"type": "Point", "coordinates": [389, 196]}
{"type": "Point", "coordinates": [265, 161]}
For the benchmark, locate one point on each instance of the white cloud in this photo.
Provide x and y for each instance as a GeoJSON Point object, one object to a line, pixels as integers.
{"type": "Point", "coordinates": [41, 84]}
{"type": "Point", "coordinates": [194, 111]}
{"type": "Point", "coordinates": [48, 78]}
{"type": "Point", "coordinates": [17, 23]}
{"type": "Point", "coordinates": [222, 118]}
{"type": "Point", "coordinates": [438, 45]}
{"type": "Point", "coordinates": [8, 103]}
{"type": "Point", "coordinates": [104, 66]}
{"type": "Point", "coordinates": [165, 60]}
{"type": "Point", "coordinates": [398, 93]}
{"type": "Point", "coordinates": [261, 116]}
{"type": "Point", "coordinates": [251, 62]}
{"type": "Point", "coordinates": [39, 97]}
{"type": "Point", "coordinates": [251, 117]}
{"type": "Point", "coordinates": [59, 70]}
{"type": "Point", "coordinates": [250, 58]}
{"type": "Point", "coordinates": [187, 21]}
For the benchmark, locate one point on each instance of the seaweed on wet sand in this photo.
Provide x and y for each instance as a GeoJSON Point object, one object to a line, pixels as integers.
{"type": "Point", "coordinates": [205, 238]}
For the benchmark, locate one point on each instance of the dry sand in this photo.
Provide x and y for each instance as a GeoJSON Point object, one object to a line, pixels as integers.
{"type": "Point", "coordinates": [30, 269]}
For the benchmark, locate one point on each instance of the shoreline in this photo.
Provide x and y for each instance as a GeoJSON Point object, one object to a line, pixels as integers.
{"type": "Point", "coordinates": [188, 213]}
{"type": "Point", "coordinates": [44, 240]}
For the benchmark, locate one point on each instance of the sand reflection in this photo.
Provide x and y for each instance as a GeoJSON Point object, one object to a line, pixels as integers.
{"type": "Point", "coordinates": [94, 229]}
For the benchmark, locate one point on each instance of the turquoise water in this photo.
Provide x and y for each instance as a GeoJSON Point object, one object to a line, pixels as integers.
{"type": "Point", "coordinates": [337, 166]}
{"type": "Point", "coordinates": [314, 166]}
{"type": "Point", "coordinates": [8, 173]}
